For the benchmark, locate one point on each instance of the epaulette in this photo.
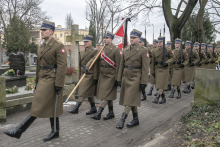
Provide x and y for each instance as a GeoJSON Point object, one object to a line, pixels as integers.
{"type": "Point", "coordinates": [58, 42]}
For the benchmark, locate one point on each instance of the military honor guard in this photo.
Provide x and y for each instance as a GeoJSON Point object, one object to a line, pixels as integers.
{"type": "Point", "coordinates": [50, 77]}
{"type": "Point", "coordinates": [203, 55]}
{"type": "Point", "coordinates": [180, 61]}
{"type": "Point", "coordinates": [189, 69]}
{"type": "Point", "coordinates": [169, 46]}
{"type": "Point", "coordinates": [132, 78]}
{"type": "Point", "coordinates": [141, 43]}
{"type": "Point", "coordinates": [212, 57]}
{"type": "Point", "coordinates": [152, 78]}
{"type": "Point", "coordinates": [109, 62]}
{"type": "Point", "coordinates": [88, 84]}
{"type": "Point", "coordinates": [162, 58]}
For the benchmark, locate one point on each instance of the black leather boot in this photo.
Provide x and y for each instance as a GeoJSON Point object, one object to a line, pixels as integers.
{"type": "Point", "coordinates": [75, 108]}
{"type": "Point", "coordinates": [53, 134]}
{"type": "Point", "coordinates": [150, 92]}
{"type": "Point", "coordinates": [172, 93]}
{"type": "Point", "coordinates": [134, 122]}
{"type": "Point", "coordinates": [188, 89]}
{"type": "Point", "coordinates": [156, 99]}
{"type": "Point", "coordinates": [92, 110]}
{"type": "Point", "coordinates": [122, 121]}
{"type": "Point", "coordinates": [168, 87]}
{"type": "Point", "coordinates": [163, 99]}
{"type": "Point", "coordinates": [179, 94]}
{"type": "Point", "coordinates": [110, 115]}
{"type": "Point", "coordinates": [155, 94]}
{"type": "Point", "coordinates": [185, 89]}
{"type": "Point", "coordinates": [193, 85]}
{"type": "Point", "coordinates": [97, 116]}
{"type": "Point", "coordinates": [144, 97]}
{"type": "Point", "coordinates": [16, 132]}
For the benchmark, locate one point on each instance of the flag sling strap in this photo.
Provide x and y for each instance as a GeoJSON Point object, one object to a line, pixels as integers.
{"type": "Point", "coordinates": [108, 60]}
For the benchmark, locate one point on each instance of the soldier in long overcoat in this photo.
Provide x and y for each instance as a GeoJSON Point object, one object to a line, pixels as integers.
{"type": "Point", "coordinates": [189, 69]}
{"type": "Point", "coordinates": [178, 68]}
{"type": "Point", "coordinates": [88, 84]}
{"type": "Point", "coordinates": [142, 43]}
{"type": "Point", "coordinates": [50, 77]}
{"type": "Point", "coordinates": [169, 45]}
{"type": "Point", "coordinates": [109, 62]}
{"type": "Point", "coordinates": [132, 78]}
{"type": "Point", "coordinates": [212, 57]}
{"type": "Point", "coordinates": [161, 69]}
{"type": "Point", "coordinates": [204, 55]}
{"type": "Point", "coordinates": [152, 79]}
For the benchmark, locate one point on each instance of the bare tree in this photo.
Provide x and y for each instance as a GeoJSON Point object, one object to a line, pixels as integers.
{"type": "Point", "coordinates": [69, 21]}
{"type": "Point", "coordinates": [27, 10]}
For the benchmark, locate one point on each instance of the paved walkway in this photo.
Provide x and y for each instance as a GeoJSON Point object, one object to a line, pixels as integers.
{"type": "Point", "coordinates": [81, 131]}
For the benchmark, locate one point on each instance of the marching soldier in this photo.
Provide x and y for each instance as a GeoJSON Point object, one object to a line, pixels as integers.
{"type": "Point", "coordinates": [109, 61]}
{"type": "Point", "coordinates": [161, 69]}
{"type": "Point", "coordinates": [178, 68]}
{"type": "Point", "coordinates": [88, 84]}
{"type": "Point", "coordinates": [132, 78]}
{"type": "Point", "coordinates": [169, 46]}
{"type": "Point", "coordinates": [189, 68]}
{"type": "Point", "coordinates": [50, 77]}
{"type": "Point", "coordinates": [152, 79]}
{"type": "Point", "coordinates": [212, 55]}
{"type": "Point", "coordinates": [204, 55]}
{"type": "Point", "coordinates": [141, 43]}
{"type": "Point", "coordinates": [210, 59]}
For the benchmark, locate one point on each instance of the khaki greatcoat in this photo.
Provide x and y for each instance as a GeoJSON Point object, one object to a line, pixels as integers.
{"type": "Point", "coordinates": [107, 89]}
{"type": "Point", "coordinates": [131, 79]}
{"type": "Point", "coordinates": [210, 57]}
{"type": "Point", "coordinates": [87, 87]}
{"type": "Point", "coordinates": [152, 79]}
{"type": "Point", "coordinates": [161, 73]}
{"type": "Point", "coordinates": [43, 103]}
{"type": "Point", "coordinates": [177, 71]}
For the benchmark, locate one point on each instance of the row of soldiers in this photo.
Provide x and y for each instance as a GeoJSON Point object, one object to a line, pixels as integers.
{"type": "Point", "coordinates": [128, 69]}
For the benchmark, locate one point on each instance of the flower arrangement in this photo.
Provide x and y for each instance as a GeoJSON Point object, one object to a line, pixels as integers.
{"type": "Point", "coordinates": [69, 71]}
{"type": "Point", "coordinates": [10, 72]}
{"type": "Point", "coordinates": [217, 62]}
{"type": "Point", "coordinates": [11, 90]}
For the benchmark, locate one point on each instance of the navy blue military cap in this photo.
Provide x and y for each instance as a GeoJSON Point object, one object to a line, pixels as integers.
{"type": "Point", "coordinates": [203, 44]}
{"type": "Point", "coordinates": [142, 39]}
{"type": "Point", "coordinates": [178, 40]}
{"type": "Point", "coordinates": [169, 43]}
{"type": "Point", "coordinates": [109, 35]}
{"type": "Point", "coordinates": [155, 41]}
{"type": "Point", "coordinates": [210, 46]}
{"type": "Point", "coordinates": [160, 38]}
{"type": "Point", "coordinates": [196, 44]}
{"type": "Point", "coordinates": [135, 33]}
{"type": "Point", "coordinates": [188, 42]}
{"type": "Point", "coordinates": [88, 38]}
{"type": "Point", "coordinates": [47, 25]}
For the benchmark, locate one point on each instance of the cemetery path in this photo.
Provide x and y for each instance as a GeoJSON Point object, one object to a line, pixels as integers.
{"type": "Point", "coordinates": [82, 131]}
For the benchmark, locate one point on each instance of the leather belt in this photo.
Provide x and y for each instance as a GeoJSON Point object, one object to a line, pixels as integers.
{"type": "Point", "coordinates": [132, 67]}
{"type": "Point", "coordinates": [106, 66]}
{"type": "Point", "coordinates": [48, 67]}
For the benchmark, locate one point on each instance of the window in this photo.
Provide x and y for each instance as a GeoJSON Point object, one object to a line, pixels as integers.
{"type": "Point", "coordinates": [55, 36]}
{"type": "Point", "coordinates": [60, 35]}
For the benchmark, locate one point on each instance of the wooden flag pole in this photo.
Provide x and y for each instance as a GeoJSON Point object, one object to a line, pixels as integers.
{"type": "Point", "coordinates": [77, 85]}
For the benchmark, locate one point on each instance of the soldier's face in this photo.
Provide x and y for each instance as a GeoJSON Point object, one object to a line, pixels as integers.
{"type": "Point", "coordinates": [155, 45]}
{"type": "Point", "coordinates": [141, 43]}
{"type": "Point", "coordinates": [46, 33]}
{"type": "Point", "coordinates": [177, 45]}
{"type": "Point", "coordinates": [87, 43]}
{"type": "Point", "coordinates": [160, 43]}
{"type": "Point", "coordinates": [196, 47]}
{"type": "Point", "coordinates": [188, 46]}
{"type": "Point", "coordinates": [202, 47]}
{"type": "Point", "coordinates": [134, 40]}
{"type": "Point", "coordinates": [168, 46]}
{"type": "Point", "coordinates": [209, 48]}
{"type": "Point", "coordinates": [107, 40]}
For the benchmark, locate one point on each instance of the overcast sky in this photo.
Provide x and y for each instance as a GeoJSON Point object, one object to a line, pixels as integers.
{"type": "Point", "coordinates": [57, 10]}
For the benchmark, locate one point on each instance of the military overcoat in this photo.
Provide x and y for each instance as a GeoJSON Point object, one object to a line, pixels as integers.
{"type": "Point", "coordinates": [152, 79]}
{"type": "Point", "coordinates": [107, 88]}
{"type": "Point", "coordinates": [203, 59]}
{"type": "Point", "coordinates": [43, 103]}
{"type": "Point", "coordinates": [161, 73]}
{"type": "Point", "coordinates": [87, 87]}
{"type": "Point", "coordinates": [210, 65]}
{"type": "Point", "coordinates": [177, 71]}
{"type": "Point", "coordinates": [133, 56]}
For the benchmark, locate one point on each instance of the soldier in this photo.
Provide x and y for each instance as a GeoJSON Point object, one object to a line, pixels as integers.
{"type": "Point", "coordinates": [141, 43]}
{"type": "Point", "coordinates": [212, 55]}
{"type": "Point", "coordinates": [178, 68]}
{"type": "Point", "coordinates": [189, 68]}
{"type": "Point", "coordinates": [203, 53]}
{"type": "Point", "coordinates": [132, 78]}
{"type": "Point", "coordinates": [109, 61]}
{"type": "Point", "coordinates": [161, 69]}
{"type": "Point", "coordinates": [88, 84]}
{"type": "Point", "coordinates": [50, 77]}
{"type": "Point", "coordinates": [152, 79]}
{"type": "Point", "coordinates": [169, 46]}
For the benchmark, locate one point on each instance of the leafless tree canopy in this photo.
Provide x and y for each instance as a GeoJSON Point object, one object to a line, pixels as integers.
{"type": "Point", "coordinates": [27, 10]}
{"type": "Point", "coordinates": [69, 21]}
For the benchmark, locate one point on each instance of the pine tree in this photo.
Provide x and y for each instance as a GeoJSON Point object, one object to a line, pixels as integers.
{"type": "Point", "coordinates": [92, 31]}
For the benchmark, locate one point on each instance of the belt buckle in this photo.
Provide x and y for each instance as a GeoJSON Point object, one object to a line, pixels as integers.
{"type": "Point", "coordinates": [129, 67]}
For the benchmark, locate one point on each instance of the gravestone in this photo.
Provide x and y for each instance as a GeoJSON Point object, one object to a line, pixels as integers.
{"type": "Point", "coordinates": [17, 62]}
